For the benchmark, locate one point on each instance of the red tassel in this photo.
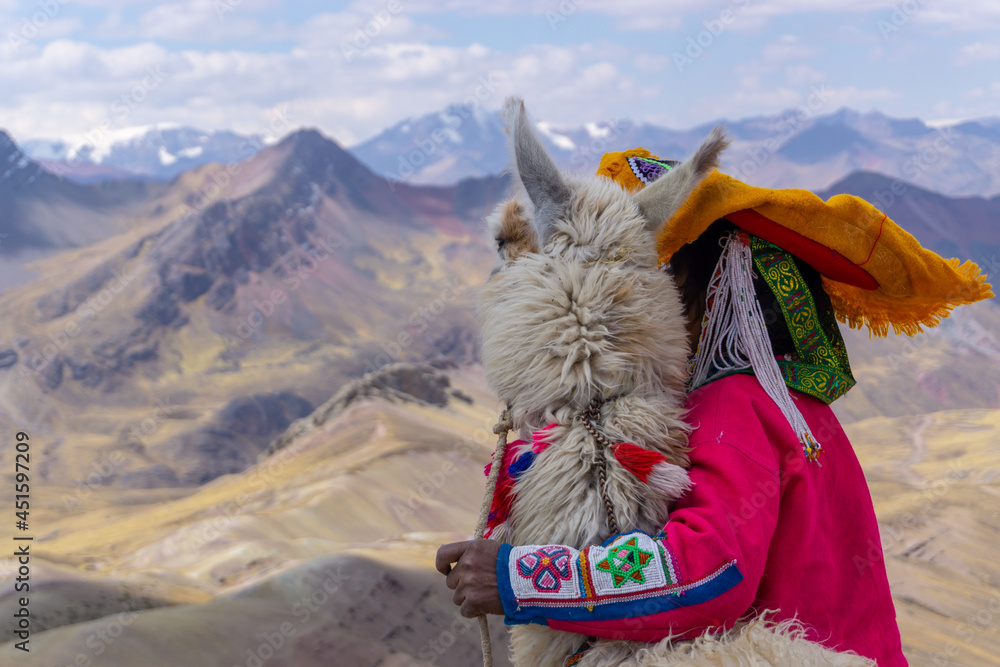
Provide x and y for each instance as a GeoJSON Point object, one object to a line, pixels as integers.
{"type": "Point", "coordinates": [637, 460]}
{"type": "Point", "coordinates": [503, 494]}
{"type": "Point", "coordinates": [504, 491]}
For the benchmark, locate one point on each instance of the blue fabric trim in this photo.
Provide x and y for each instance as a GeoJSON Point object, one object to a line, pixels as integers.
{"type": "Point", "coordinates": [516, 614]}
{"type": "Point", "coordinates": [619, 535]}
{"type": "Point", "coordinates": [722, 583]}
{"type": "Point", "coordinates": [507, 598]}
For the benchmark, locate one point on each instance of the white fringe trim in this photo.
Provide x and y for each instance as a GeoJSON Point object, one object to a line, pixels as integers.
{"type": "Point", "coordinates": [734, 336]}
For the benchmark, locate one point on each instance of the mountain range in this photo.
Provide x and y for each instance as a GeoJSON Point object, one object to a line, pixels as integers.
{"type": "Point", "coordinates": [148, 152]}
{"type": "Point", "coordinates": [795, 148]}
{"type": "Point", "coordinates": [194, 303]}
{"type": "Point", "coordinates": [305, 265]}
{"type": "Point", "coordinates": [264, 371]}
{"type": "Point", "coordinates": [791, 149]}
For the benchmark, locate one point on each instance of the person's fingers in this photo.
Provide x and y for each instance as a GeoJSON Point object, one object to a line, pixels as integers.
{"type": "Point", "coordinates": [448, 554]}
{"type": "Point", "coordinates": [455, 576]}
{"type": "Point", "coordinates": [468, 610]}
{"type": "Point", "coordinates": [459, 597]}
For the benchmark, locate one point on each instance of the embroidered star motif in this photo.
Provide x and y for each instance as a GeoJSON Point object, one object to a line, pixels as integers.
{"type": "Point", "coordinates": [625, 563]}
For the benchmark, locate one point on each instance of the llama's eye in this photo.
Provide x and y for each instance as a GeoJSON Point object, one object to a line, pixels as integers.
{"type": "Point", "coordinates": [501, 243]}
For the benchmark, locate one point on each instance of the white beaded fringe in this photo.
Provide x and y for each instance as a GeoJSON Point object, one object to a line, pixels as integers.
{"type": "Point", "coordinates": [734, 336]}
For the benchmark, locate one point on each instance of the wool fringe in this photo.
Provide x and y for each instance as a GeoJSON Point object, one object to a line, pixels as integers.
{"type": "Point", "coordinates": [859, 308]}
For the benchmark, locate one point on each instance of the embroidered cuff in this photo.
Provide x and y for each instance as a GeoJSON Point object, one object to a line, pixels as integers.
{"type": "Point", "coordinates": [629, 575]}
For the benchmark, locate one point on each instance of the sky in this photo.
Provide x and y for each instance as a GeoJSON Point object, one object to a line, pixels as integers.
{"type": "Point", "coordinates": [351, 69]}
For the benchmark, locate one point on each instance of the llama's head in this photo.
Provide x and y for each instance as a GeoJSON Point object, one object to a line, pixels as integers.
{"type": "Point", "coordinates": [577, 306]}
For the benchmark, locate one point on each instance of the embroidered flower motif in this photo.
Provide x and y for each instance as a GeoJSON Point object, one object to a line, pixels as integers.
{"type": "Point", "coordinates": [625, 563]}
{"type": "Point", "coordinates": [547, 568]}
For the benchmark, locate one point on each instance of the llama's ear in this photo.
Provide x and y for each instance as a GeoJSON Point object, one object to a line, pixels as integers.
{"type": "Point", "coordinates": [659, 201]}
{"type": "Point", "coordinates": [535, 169]}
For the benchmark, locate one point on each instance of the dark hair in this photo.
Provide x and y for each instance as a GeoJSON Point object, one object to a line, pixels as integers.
{"type": "Point", "coordinates": [693, 265]}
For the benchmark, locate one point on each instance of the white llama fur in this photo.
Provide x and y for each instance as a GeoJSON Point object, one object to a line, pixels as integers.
{"type": "Point", "coordinates": [576, 309]}
{"type": "Point", "coordinates": [758, 643]}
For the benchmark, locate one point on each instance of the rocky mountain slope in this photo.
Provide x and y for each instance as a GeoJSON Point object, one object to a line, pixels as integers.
{"type": "Point", "coordinates": [333, 533]}
{"type": "Point", "coordinates": [180, 347]}
{"type": "Point", "coordinates": [41, 214]}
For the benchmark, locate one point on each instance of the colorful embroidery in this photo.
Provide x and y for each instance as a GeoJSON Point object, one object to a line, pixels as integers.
{"type": "Point", "coordinates": [628, 573]}
{"type": "Point", "coordinates": [823, 370]}
{"type": "Point", "coordinates": [547, 568]}
{"type": "Point", "coordinates": [626, 563]}
{"type": "Point", "coordinates": [648, 170]}
{"type": "Point", "coordinates": [669, 564]}
{"type": "Point", "coordinates": [584, 571]}
{"type": "Point", "coordinates": [580, 652]}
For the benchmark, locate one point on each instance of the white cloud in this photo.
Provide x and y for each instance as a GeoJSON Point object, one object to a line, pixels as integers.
{"type": "Point", "coordinates": [973, 15]}
{"type": "Point", "coordinates": [410, 66]}
{"type": "Point", "coordinates": [788, 48]}
{"type": "Point", "coordinates": [978, 51]}
{"type": "Point", "coordinates": [70, 87]}
{"type": "Point", "coordinates": [803, 75]}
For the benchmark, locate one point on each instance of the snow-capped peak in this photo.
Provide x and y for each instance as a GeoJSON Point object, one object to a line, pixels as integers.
{"type": "Point", "coordinates": [559, 140]}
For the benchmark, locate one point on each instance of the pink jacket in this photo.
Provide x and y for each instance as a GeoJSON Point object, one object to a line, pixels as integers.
{"type": "Point", "coordinates": [761, 529]}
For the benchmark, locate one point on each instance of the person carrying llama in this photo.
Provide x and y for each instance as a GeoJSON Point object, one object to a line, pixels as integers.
{"type": "Point", "coordinates": [778, 520]}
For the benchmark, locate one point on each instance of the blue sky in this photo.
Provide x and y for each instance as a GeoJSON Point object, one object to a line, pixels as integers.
{"type": "Point", "coordinates": [70, 67]}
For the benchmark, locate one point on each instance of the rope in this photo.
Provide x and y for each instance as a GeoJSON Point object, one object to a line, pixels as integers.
{"type": "Point", "coordinates": [590, 417]}
{"type": "Point", "coordinates": [502, 427]}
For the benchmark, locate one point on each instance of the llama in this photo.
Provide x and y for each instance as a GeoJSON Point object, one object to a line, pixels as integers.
{"type": "Point", "coordinates": [581, 329]}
